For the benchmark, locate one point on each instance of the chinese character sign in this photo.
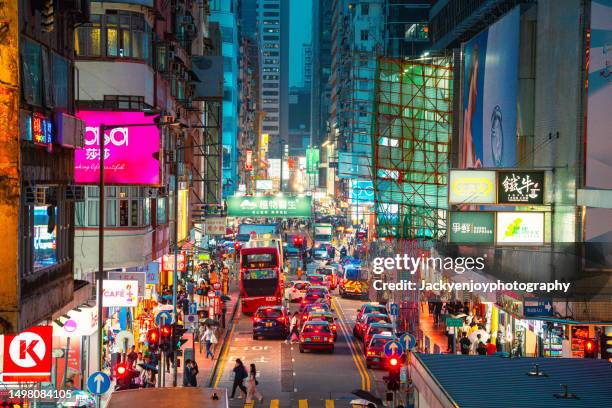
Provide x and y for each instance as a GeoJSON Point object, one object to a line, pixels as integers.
{"type": "Point", "coordinates": [520, 228]}
{"type": "Point", "coordinates": [520, 187]}
{"type": "Point", "coordinates": [248, 161]}
{"type": "Point", "coordinates": [471, 227]}
{"type": "Point", "coordinates": [129, 151]}
{"type": "Point", "coordinates": [279, 206]}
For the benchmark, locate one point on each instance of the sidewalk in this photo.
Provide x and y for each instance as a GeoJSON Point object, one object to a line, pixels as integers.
{"type": "Point", "coordinates": [205, 365]}
{"type": "Point", "coordinates": [435, 333]}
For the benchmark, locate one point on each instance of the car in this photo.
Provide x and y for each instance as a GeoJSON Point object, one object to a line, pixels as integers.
{"type": "Point", "coordinates": [316, 335]}
{"type": "Point", "coordinates": [320, 252]}
{"type": "Point", "coordinates": [270, 321]}
{"type": "Point", "coordinates": [313, 308]}
{"type": "Point", "coordinates": [296, 290]}
{"type": "Point", "coordinates": [330, 274]}
{"type": "Point", "coordinates": [376, 328]}
{"type": "Point", "coordinates": [316, 279]}
{"type": "Point", "coordinates": [371, 307]}
{"type": "Point", "coordinates": [375, 350]}
{"type": "Point", "coordinates": [316, 294]}
{"type": "Point", "coordinates": [325, 316]}
{"type": "Point", "coordinates": [366, 320]}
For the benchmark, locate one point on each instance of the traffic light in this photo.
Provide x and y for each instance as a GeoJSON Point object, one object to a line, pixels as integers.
{"type": "Point", "coordinates": [165, 333]}
{"type": "Point", "coordinates": [237, 246]}
{"type": "Point", "coordinates": [177, 336]}
{"type": "Point", "coordinates": [121, 371]}
{"type": "Point", "coordinates": [393, 377]}
{"type": "Point", "coordinates": [298, 241]}
{"type": "Point", "coordinates": [590, 349]}
{"type": "Point", "coordinates": [606, 343]}
{"type": "Point", "coordinates": [153, 339]}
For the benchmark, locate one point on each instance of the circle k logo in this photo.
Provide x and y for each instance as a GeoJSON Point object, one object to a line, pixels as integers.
{"type": "Point", "coordinates": [27, 349]}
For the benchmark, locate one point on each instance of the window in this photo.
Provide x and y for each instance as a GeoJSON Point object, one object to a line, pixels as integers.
{"type": "Point", "coordinates": [271, 6]}
{"type": "Point", "coordinates": [270, 85]}
{"type": "Point", "coordinates": [270, 128]}
{"type": "Point", "coordinates": [272, 61]}
{"type": "Point", "coordinates": [270, 53]}
{"type": "Point", "coordinates": [45, 236]}
{"type": "Point", "coordinates": [227, 157]}
{"type": "Point", "coordinates": [365, 9]}
{"type": "Point", "coordinates": [227, 95]}
{"type": "Point", "coordinates": [271, 45]}
{"type": "Point", "coordinates": [227, 34]}
{"type": "Point", "coordinates": [271, 69]}
{"type": "Point", "coordinates": [124, 207]}
{"type": "Point", "coordinates": [60, 81]}
{"type": "Point", "coordinates": [272, 110]}
{"type": "Point", "coordinates": [122, 35]}
{"type": "Point", "coordinates": [270, 100]}
{"type": "Point", "coordinates": [270, 93]}
{"type": "Point", "coordinates": [271, 14]}
{"type": "Point", "coordinates": [161, 210]}
{"type": "Point", "coordinates": [270, 38]}
{"type": "Point", "coordinates": [32, 73]}
{"type": "Point", "coordinates": [364, 35]}
{"type": "Point", "coordinates": [272, 30]}
{"type": "Point", "coordinates": [271, 22]}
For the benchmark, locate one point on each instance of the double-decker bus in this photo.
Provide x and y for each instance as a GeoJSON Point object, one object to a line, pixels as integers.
{"type": "Point", "coordinates": [261, 274]}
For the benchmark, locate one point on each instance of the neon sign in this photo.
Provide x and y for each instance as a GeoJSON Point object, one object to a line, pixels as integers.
{"type": "Point", "coordinates": [42, 130]}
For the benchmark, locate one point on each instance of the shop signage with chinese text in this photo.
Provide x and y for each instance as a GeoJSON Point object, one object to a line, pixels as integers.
{"type": "Point", "coordinates": [520, 187]}
{"type": "Point", "coordinates": [140, 277]}
{"type": "Point", "coordinates": [215, 225]}
{"type": "Point", "coordinates": [520, 228]}
{"type": "Point", "coordinates": [471, 187]}
{"type": "Point", "coordinates": [471, 227]}
{"type": "Point", "coordinates": [280, 206]}
{"type": "Point", "coordinates": [168, 262]}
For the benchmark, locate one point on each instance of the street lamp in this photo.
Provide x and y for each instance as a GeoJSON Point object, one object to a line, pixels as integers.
{"type": "Point", "coordinates": [102, 128]}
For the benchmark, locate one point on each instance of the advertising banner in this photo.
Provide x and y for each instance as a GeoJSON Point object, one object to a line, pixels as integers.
{"type": "Point", "coordinates": [362, 192]}
{"type": "Point", "coordinates": [489, 100]}
{"type": "Point", "coordinates": [120, 293]}
{"type": "Point", "coordinates": [131, 154]}
{"type": "Point", "coordinates": [248, 160]}
{"type": "Point", "coordinates": [264, 185]}
{"type": "Point", "coordinates": [152, 274]}
{"type": "Point", "coordinates": [520, 228]}
{"type": "Point", "coordinates": [471, 227]}
{"type": "Point", "coordinates": [168, 262]}
{"type": "Point", "coordinates": [599, 121]}
{"type": "Point", "coordinates": [278, 206]}
{"type": "Point", "coordinates": [140, 277]}
{"type": "Point", "coordinates": [312, 161]}
{"type": "Point", "coordinates": [215, 225]}
{"type": "Point", "coordinates": [520, 187]}
{"type": "Point", "coordinates": [471, 187]}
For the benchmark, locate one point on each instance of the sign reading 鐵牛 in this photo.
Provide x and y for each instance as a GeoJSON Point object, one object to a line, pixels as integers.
{"type": "Point", "coordinates": [471, 227]}
{"type": "Point", "coordinates": [520, 187]}
{"type": "Point", "coordinates": [281, 206]}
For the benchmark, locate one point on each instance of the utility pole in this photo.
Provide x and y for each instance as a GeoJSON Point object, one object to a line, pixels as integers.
{"type": "Point", "coordinates": [175, 272]}
{"type": "Point", "coordinates": [101, 130]}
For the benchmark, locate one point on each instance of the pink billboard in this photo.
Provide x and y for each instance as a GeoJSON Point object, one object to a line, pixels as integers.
{"type": "Point", "coordinates": [128, 151]}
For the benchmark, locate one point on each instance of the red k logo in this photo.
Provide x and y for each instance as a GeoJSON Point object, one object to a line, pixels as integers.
{"type": "Point", "coordinates": [27, 355]}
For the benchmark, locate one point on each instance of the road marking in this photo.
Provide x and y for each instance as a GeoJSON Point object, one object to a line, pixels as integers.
{"type": "Point", "coordinates": [303, 404]}
{"type": "Point", "coordinates": [365, 376]}
{"type": "Point", "coordinates": [250, 404]}
{"type": "Point", "coordinates": [274, 404]}
{"type": "Point", "coordinates": [329, 404]}
{"type": "Point", "coordinates": [223, 357]}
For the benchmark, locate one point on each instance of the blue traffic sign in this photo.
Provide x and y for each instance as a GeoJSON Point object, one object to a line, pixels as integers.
{"type": "Point", "coordinates": [164, 317]}
{"type": "Point", "coordinates": [394, 309]}
{"type": "Point", "coordinates": [98, 383]}
{"type": "Point", "coordinates": [193, 308]}
{"type": "Point", "coordinates": [393, 347]}
{"type": "Point", "coordinates": [534, 307]}
{"type": "Point", "coordinates": [407, 341]}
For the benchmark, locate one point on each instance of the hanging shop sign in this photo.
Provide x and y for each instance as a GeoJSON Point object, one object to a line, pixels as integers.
{"type": "Point", "coordinates": [168, 262]}
{"type": "Point", "coordinates": [471, 187]}
{"type": "Point", "coordinates": [471, 227]}
{"type": "Point", "coordinates": [248, 160]}
{"type": "Point", "coordinates": [535, 307]}
{"type": "Point", "coordinates": [520, 187]}
{"type": "Point", "coordinates": [215, 225]}
{"type": "Point", "coordinates": [120, 293]}
{"type": "Point", "coordinates": [520, 228]}
{"type": "Point", "coordinates": [79, 323]}
{"type": "Point", "coordinates": [140, 277]}
{"type": "Point", "coordinates": [131, 153]}
{"type": "Point", "coordinates": [284, 206]}
{"type": "Point", "coordinates": [42, 130]}
{"type": "Point", "coordinates": [152, 274]}
{"type": "Point", "coordinates": [312, 161]}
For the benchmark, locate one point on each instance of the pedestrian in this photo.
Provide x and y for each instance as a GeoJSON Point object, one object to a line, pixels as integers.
{"type": "Point", "coordinates": [293, 328]}
{"type": "Point", "coordinates": [450, 338]}
{"type": "Point", "coordinates": [481, 349]}
{"type": "Point", "coordinates": [208, 336]}
{"type": "Point", "coordinates": [240, 373]}
{"type": "Point", "coordinates": [491, 349]}
{"type": "Point", "coordinates": [252, 392]}
{"type": "Point", "coordinates": [132, 357]}
{"type": "Point", "coordinates": [476, 343]}
{"type": "Point", "coordinates": [223, 313]}
{"type": "Point", "coordinates": [499, 341]}
{"type": "Point", "coordinates": [190, 374]}
{"type": "Point", "coordinates": [139, 363]}
{"type": "Point", "coordinates": [464, 344]}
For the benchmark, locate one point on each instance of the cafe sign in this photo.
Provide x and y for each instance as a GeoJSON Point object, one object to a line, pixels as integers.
{"type": "Point", "coordinates": [471, 227]}
{"type": "Point", "coordinates": [471, 187]}
{"type": "Point", "coordinates": [119, 293]}
{"type": "Point", "coordinates": [520, 187]}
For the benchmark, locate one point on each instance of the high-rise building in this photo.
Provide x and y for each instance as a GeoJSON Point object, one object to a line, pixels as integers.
{"type": "Point", "coordinates": [273, 37]}
{"type": "Point", "coordinates": [225, 12]}
{"type": "Point", "coordinates": [406, 29]}
{"type": "Point", "coordinates": [321, 69]}
{"type": "Point", "coordinates": [307, 59]}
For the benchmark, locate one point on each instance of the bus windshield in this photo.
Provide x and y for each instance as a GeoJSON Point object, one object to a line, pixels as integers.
{"type": "Point", "coordinates": [259, 260]}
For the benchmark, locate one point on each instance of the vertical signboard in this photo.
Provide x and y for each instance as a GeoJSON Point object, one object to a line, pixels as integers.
{"type": "Point", "coordinates": [312, 161]}
{"type": "Point", "coordinates": [489, 100]}
{"type": "Point", "coordinates": [599, 120]}
{"type": "Point", "coordinates": [248, 160]}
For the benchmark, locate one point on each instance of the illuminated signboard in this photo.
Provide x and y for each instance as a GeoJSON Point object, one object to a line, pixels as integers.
{"type": "Point", "coordinates": [471, 187]}
{"type": "Point", "coordinates": [520, 187]}
{"type": "Point", "coordinates": [42, 130]}
{"type": "Point", "coordinates": [264, 185]}
{"type": "Point", "coordinates": [471, 227]}
{"type": "Point", "coordinates": [285, 206]}
{"type": "Point", "coordinates": [248, 163]}
{"type": "Point", "coordinates": [520, 228]}
{"type": "Point", "coordinates": [131, 154]}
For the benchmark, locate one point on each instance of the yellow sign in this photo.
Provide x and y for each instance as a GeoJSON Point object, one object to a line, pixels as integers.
{"type": "Point", "coordinates": [472, 187]}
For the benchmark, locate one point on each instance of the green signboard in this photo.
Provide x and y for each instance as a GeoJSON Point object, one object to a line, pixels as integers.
{"type": "Point", "coordinates": [269, 206]}
{"type": "Point", "coordinates": [470, 227]}
{"type": "Point", "coordinates": [312, 161]}
{"type": "Point", "coordinates": [454, 322]}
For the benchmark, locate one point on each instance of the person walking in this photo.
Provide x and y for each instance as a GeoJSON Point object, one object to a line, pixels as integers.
{"type": "Point", "coordinates": [464, 343]}
{"type": "Point", "coordinates": [208, 337]}
{"type": "Point", "coordinates": [240, 373]}
{"type": "Point", "coordinates": [293, 328]}
{"type": "Point", "coordinates": [252, 384]}
{"type": "Point", "coordinates": [190, 374]}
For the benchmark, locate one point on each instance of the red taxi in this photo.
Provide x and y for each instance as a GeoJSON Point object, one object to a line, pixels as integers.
{"type": "Point", "coordinates": [375, 350]}
{"type": "Point", "coordinates": [316, 335]}
{"type": "Point", "coordinates": [330, 275]}
{"type": "Point", "coordinates": [371, 307]}
{"type": "Point", "coordinates": [324, 316]}
{"type": "Point", "coordinates": [316, 294]}
{"type": "Point", "coordinates": [316, 279]}
{"type": "Point", "coordinates": [366, 320]}
{"type": "Point", "coordinates": [376, 328]}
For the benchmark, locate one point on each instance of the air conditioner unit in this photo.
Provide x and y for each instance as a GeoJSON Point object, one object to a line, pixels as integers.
{"type": "Point", "coordinates": [37, 195]}
{"type": "Point", "coordinates": [74, 193]}
{"type": "Point", "coordinates": [152, 192]}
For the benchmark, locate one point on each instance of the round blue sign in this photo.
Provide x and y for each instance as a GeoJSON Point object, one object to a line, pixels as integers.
{"type": "Point", "coordinates": [393, 347]}
{"type": "Point", "coordinates": [407, 341]}
{"type": "Point", "coordinates": [164, 317]}
{"type": "Point", "coordinates": [98, 383]}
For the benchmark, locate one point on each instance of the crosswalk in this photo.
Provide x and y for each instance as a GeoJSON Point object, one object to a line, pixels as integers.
{"type": "Point", "coordinates": [303, 403]}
